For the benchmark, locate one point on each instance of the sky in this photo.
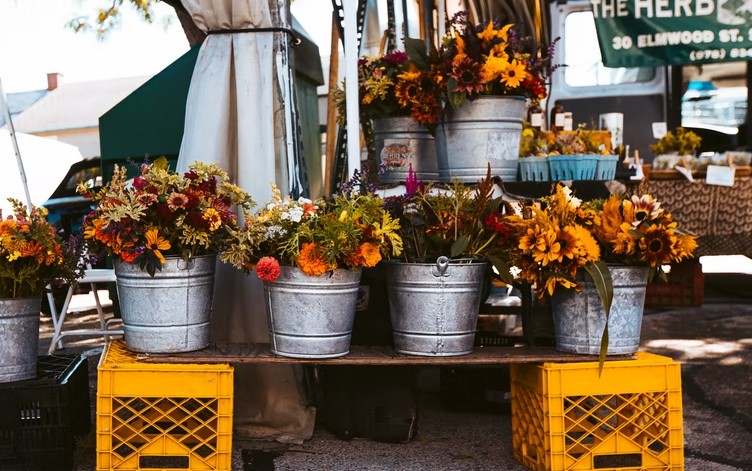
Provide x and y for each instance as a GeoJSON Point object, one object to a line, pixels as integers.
{"type": "Point", "coordinates": [34, 41]}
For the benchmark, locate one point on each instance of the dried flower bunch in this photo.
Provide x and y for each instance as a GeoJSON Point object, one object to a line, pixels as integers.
{"type": "Point", "coordinates": [348, 230]}
{"type": "Point", "coordinates": [164, 213]}
{"type": "Point", "coordinates": [490, 59]}
{"type": "Point", "coordinates": [456, 221]}
{"type": "Point", "coordinates": [559, 235]}
{"type": "Point", "coordinates": [32, 254]}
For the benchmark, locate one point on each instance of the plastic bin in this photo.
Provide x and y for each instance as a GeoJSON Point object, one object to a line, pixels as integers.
{"type": "Point", "coordinates": [40, 417]}
{"type": "Point", "coordinates": [606, 167]}
{"type": "Point", "coordinates": [572, 167]}
{"type": "Point", "coordinates": [534, 169]}
{"type": "Point", "coordinates": [159, 415]}
{"type": "Point", "coordinates": [567, 417]}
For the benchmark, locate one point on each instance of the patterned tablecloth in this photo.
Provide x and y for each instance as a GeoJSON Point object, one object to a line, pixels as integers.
{"type": "Point", "coordinates": [720, 215]}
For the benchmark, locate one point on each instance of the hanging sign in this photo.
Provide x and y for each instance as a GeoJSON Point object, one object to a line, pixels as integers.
{"type": "Point", "coordinates": [648, 33]}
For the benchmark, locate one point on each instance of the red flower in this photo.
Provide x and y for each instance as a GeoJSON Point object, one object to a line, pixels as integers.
{"type": "Point", "coordinates": [267, 269]}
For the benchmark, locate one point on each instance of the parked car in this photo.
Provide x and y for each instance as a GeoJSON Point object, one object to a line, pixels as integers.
{"type": "Point", "coordinates": [66, 207]}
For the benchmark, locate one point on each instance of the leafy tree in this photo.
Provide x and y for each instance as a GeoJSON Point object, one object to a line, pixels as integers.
{"type": "Point", "coordinates": [108, 18]}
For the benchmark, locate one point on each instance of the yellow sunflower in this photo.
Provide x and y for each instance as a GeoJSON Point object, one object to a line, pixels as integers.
{"type": "Point", "coordinates": [514, 74]}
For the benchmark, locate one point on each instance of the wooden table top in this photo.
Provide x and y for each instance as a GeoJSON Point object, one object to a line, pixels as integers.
{"type": "Point", "coordinates": [371, 355]}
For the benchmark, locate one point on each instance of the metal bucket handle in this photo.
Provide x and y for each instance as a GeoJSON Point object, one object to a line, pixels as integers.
{"type": "Point", "coordinates": [442, 264]}
{"type": "Point", "coordinates": [184, 264]}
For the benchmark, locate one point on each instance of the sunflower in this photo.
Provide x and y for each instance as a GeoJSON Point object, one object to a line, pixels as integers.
{"type": "Point", "coordinates": [547, 247]}
{"type": "Point", "coordinates": [514, 74]}
{"type": "Point", "coordinates": [408, 88]}
{"type": "Point", "coordinates": [468, 76]}
{"type": "Point", "coordinates": [657, 245]}
{"type": "Point", "coordinates": [644, 208]}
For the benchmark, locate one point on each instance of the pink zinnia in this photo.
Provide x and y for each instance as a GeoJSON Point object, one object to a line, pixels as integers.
{"type": "Point", "coordinates": [267, 269]}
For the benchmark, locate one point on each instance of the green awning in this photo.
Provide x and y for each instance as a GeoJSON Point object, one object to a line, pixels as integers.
{"type": "Point", "coordinates": [150, 120]}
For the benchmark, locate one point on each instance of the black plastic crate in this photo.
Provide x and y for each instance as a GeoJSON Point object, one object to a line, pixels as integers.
{"type": "Point", "coordinates": [42, 416]}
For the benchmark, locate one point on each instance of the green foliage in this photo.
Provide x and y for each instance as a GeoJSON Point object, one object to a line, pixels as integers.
{"type": "Point", "coordinates": [681, 141]}
{"type": "Point", "coordinates": [108, 16]}
{"type": "Point", "coordinates": [456, 221]}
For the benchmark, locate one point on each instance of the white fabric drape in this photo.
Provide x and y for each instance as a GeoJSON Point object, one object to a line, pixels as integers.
{"type": "Point", "coordinates": [238, 114]}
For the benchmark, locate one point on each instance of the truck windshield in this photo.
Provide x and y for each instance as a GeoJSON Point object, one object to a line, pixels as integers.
{"type": "Point", "coordinates": [583, 57]}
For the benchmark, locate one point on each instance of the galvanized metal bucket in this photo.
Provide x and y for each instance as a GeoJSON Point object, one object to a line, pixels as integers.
{"type": "Point", "coordinates": [312, 316]}
{"type": "Point", "coordinates": [401, 142]}
{"type": "Point", "coordinates": [434, 306]}
{"type": "Point", "coordinates": [19, 338]}
{"type": "Point", "coordinates": [171, 312]}
{"type": "Point", "coordinates": [481, 132]}
{"type": "Point", "coordinates": [579, 318]}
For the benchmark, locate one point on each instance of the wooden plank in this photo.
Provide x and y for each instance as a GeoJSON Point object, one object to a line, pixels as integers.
{"type": "Point", "coordinates": [371, 355]}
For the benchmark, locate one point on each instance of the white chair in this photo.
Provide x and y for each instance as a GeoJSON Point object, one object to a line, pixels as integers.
{"type": "Point", "coordinates": [92, 276]}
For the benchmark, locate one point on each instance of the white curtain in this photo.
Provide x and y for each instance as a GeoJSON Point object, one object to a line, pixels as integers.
{"type": "Point", "coordinates": [239, 114]}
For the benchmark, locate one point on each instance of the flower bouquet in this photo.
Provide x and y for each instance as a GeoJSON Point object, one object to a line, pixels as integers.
{"type": "Point", "coordinates": [165, 231]}
{"type": "Point", "coordinates": [490, 59]}
{"type": "Point", "coordinates": [392, 85]}
{"type": "Point", "coordinates": [32, 255]}
{"type": "Point", "coordinates": [347, 231]}
{"type": "Point", "coordinates": [561, 239]}
{"type": "Point", "coordinates": [162, 213]}
{"type": "Point", "coordinates": [485, 74]}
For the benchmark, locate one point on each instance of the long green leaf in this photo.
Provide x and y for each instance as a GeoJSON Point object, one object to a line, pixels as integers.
{"type": "Point", "coordinates": [502, 267]}
{"type": "Point", "coordinates": [605, 286]}
{"type": "Point", "coordinates": [460, 246]}
{"type": "Point", "coordinates": [416, 51]}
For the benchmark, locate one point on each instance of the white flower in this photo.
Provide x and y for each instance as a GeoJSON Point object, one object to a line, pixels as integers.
{"type": "Point", "coordinates": [274, 232]}
{"type": "Point", "coordinates": [575, 202]}
{"type": "Point", "coordinates": [296, 213]}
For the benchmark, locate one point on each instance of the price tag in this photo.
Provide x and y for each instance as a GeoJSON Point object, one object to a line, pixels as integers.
{"type": "Point", "coordinates": [720, 175]}
{"type": "Point", "coordinates": [659, 130]}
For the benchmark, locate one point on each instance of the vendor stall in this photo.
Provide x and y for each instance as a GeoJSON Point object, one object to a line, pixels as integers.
{"type": "Point", "coordinates": [720, 215]}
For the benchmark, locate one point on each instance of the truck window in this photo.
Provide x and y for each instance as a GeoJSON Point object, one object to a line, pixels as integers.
{"type": "Point", "coordinates": [583, 57]}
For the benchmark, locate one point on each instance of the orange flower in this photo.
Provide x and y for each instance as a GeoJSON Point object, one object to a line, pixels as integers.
{"type": "Point", "coordinates": [311, 262]}
{"type": "Point", "coordinates": [156, 243]}
{"type": "Point", "coordinates": [369, 253]}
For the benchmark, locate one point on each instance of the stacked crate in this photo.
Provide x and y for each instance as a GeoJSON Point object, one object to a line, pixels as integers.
{"type": "Point", "coordinates": [684, 286]}
{"type": "Point", "coordinates": [568, 417]}
{"type": "Point", "coordinates": [40, 417]}
{"type": "Point", "coordinates": [157, 415]}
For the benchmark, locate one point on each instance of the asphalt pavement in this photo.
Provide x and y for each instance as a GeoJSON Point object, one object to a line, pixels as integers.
{"type": "Point", "coordinates": [713, 343]}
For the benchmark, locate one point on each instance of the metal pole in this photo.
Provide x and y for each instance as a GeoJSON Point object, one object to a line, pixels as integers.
{"type": "Point", "coordinates": [6, 112]}
{"type": "Point", "coordinates": [351, 86]}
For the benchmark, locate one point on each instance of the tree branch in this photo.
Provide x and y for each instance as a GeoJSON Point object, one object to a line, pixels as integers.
{"type": "Point", "coordinates": [192, 32]}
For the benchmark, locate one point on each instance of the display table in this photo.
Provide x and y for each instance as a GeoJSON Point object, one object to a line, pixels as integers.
{"type": "Point", "coordinates": [721, 216]}
{"type": "Point", "coordinates": [371, 355]}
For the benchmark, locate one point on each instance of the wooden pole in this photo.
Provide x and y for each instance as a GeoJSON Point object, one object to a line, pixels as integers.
{"type": "Point", "coordinates": [331, 110]}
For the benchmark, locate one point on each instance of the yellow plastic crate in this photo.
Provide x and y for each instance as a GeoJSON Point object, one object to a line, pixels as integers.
{"type": "Point", "coordinates": [162, 416]}
{"type": "Point", "coordinates": [567, 418]}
